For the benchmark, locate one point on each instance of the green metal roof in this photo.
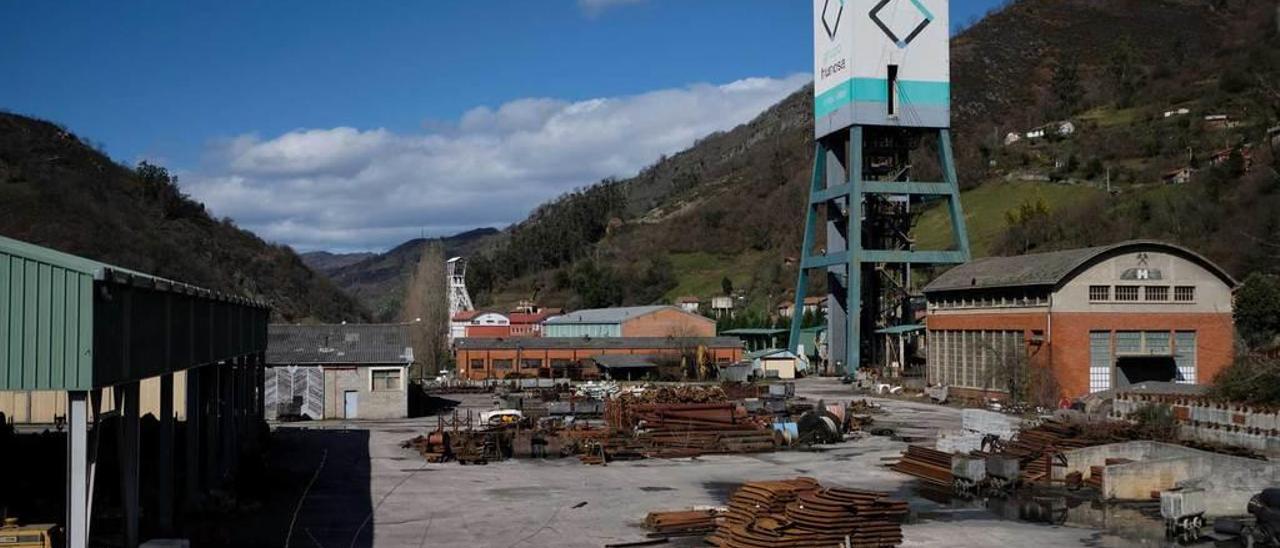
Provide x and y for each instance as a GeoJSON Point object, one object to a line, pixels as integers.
{"type": "Point", "coordinates": [70, 323]}
{"type": "Point", "coordinates": [754, 331]}
{"type": "Point", "coordinates": [900, 329]}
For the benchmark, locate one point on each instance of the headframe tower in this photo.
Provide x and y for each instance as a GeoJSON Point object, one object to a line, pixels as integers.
{"type": "Point", "coordinates": [882, 88]}
{"type": "Point", "coordinates": [459, 299]}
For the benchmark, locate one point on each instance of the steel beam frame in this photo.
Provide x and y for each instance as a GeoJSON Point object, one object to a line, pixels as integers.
{"type": "Point", "coordinates": [856, 257]}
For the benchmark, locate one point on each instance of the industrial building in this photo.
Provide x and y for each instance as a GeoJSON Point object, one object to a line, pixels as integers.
{"type": "Point", "coordinates": [1096, 319]}
{"type": "Point", "coordinates": [635, 321]}
{"type": "Point", "coordinates": [86, 329]}
{"type": "Point", "coordinates": [477, 324]}
{"type": "Point", "coordinates": [348, 371]}
{"type": "Point", "coordinates": [545, 357]}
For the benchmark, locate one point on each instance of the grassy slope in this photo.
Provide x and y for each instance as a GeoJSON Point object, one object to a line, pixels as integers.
{"type": "Point", "coordinates": [985, 208]}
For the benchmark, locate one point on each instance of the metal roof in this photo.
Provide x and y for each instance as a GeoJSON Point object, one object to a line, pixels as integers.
{"type": "Point", "coordinates": [625, 361]}
{"type": "Point", "coordinates": [607, 315]}
{"type": "Point", "coordinates": [769, 352]}
{"type": "Point", "coordinates": [596, 343]}
{"type": "Point", "coordinates": [1051, 269]}
{"type": "Point", "coordinates": [71, 323]}
{"type": "Point", "coordinates": [347, 344]}
{"type": "Point", "coordinates": [900, 329]}
{"type": "Point", "coordinates": [754, 331]}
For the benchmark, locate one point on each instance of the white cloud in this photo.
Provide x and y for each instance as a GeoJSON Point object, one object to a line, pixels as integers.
{"type": "Point", "coordinates": [594, 7]}
{"type": "Point", "coordinates": [344, 188]}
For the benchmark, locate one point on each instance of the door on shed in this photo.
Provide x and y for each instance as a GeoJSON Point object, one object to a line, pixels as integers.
{"type": "Point", "coordinates": [350, 403]}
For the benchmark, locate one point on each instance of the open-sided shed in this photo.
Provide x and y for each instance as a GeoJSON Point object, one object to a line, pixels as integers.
{"type": "Point", "coordinates": [73, 325]}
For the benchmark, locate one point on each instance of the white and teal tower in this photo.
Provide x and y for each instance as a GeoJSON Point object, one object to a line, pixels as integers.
{"type": "Point", "coordinates": [882, 89]}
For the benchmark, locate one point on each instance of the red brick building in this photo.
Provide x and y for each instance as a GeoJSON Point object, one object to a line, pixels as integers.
{"type": "Point", "coordinates": [552, 356]}
{"type": "Point", "coordinates": [1094, 319]}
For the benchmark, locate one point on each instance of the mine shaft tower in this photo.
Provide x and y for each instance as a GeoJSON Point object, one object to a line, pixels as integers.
{"type": "Point", "coordinates": [882, 89]}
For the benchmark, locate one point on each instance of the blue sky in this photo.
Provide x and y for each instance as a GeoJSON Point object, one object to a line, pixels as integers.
{"type": "Point", "coordinates": [288, 115]}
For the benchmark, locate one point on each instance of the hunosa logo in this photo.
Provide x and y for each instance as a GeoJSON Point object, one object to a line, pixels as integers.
{"type": "Point", "coordinates": [902, 42]}
{"type": "Point", "coordinates": [831, 17]}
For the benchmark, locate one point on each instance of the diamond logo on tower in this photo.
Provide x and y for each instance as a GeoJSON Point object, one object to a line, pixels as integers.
{"type": "Point", "coordinates": [831, 17]}
{"type": "Point", "coordinates": [925, 14]}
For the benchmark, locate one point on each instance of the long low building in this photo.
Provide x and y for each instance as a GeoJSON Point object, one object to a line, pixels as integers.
{"type": "Point", "coordinates": [1094, 319]}
{"type": "Point", "coordinates": [479, 359]}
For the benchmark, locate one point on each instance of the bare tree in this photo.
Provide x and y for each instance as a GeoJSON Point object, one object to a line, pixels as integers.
{"type": "Point", "coordinates": [426, 308]}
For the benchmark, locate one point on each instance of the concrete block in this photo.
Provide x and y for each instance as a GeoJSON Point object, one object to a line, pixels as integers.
{"type": "Point", "coordinates": [969, 468]}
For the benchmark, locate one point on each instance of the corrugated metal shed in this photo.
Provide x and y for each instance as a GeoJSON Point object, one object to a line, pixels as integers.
{"type": "Point", "coordinates": [69, 323]}
{"type": "Point", "coordinates": [348, 344]}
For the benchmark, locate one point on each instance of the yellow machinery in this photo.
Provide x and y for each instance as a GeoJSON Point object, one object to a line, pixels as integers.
{"type": "Point", "coordinates": [13, 535]}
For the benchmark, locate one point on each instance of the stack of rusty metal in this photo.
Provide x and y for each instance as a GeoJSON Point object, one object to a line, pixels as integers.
{"type": "Point", "coordinates": [435, 447]}
{"type": "Point", "coordinates": [929, 465]}
{"type": "Point", "coordinates": [801, 513]}
{"type": "Point", "coordinates": [1037, 447]}
{"type": "Point", "coordinates": [682, 523]}
{"type": "Point", "coordinates": [1096, 473]}
{"type": "Point", "coordinates": [670, 430]}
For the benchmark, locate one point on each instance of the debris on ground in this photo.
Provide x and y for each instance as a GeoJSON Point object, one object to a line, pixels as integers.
{"type": "Point", "coordinates": [800, 512]}
{"type": "Point", "coordinates": [683, 523]}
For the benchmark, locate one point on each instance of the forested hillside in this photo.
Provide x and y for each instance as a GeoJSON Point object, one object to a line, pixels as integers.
{"type": "Point", "coordinates": [56, 191]}
{"type": "Point", "coordinates": [725, 213]}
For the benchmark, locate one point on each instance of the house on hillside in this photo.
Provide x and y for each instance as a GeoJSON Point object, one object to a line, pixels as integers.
{"type": "Point", "coordinates": [722, 306]}
{"type": "Point", "coordinates": [1219, 122]}
{"type": "Point", "coordinates": [812, 305]}
{"type": "Point", "coordinates": [1273, 136]}
{"type": "Point", "coordinates": [1179, 112]}
{"type": "Point", "coordinates": [1012, 137]}
{"type": "Point", "coordinates": [1180, 176]}
{"type": "Point", "coordinates": [634, 321]}
{"type": "Point", "coordinates": [1221, 157]}
{"type": "Point", "coordinates": [1064, 128]}
{"type": "Point", "coordinates": [348, 371]}
{"type": "Point", "coordinates": [690, 304]}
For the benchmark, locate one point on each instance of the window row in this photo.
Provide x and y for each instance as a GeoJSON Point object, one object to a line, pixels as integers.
{"type": "Point", "coordinates": [987, 360]}
{"type": "Point", "coordinates": [994, 301]}
{"type": "Point", "coordinates": [1141, 293]}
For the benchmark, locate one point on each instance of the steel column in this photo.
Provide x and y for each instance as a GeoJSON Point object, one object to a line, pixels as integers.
{"type": "Point", "coordinates": [853, 327]}
{"type": "Point", "coordinates": [210, 423]}
{"type": "Point", "coordinates": [127, 403]}
{"type": "Point", "coordinates": [810, 234]}
{"type": "Point", "coordinates": [195, 420]}
{"type": "Point", "coordinates": [77, 469]}
{"type": "Point", "coordinates": [164, 458]}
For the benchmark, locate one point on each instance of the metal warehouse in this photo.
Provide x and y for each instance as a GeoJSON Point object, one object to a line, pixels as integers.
{"type": "Point", "coordinates": [1094, 319]}
{"type": "Point", "coordinates": [633, 321]}
{"type": "Point", "coordinates": [72, 325]}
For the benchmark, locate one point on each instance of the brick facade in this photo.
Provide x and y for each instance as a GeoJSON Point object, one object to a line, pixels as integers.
{"type": "Point", "coordinates": [1065, 347]}
{"type": "Point", "coordinates": [478, 364]}
{"type": "Point", "coordinates": [669, 322]}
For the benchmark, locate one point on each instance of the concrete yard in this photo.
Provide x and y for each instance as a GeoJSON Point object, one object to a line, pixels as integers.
{"type": "Point", "coordinates": [370, 492]}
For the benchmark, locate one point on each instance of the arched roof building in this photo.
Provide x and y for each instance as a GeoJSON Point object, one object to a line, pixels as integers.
{"type": "Point", "coordinates": [1080, 321]}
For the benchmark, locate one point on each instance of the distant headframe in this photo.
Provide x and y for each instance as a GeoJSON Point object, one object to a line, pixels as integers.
{"type": "Point", "coordinates": [881, 63]}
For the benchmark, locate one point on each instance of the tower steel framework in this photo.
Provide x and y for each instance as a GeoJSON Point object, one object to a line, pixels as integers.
{"type": "Point", "coordinates": [878, 98]}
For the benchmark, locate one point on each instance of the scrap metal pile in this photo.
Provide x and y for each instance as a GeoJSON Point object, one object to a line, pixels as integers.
{"type": "Point", "coordinates": [1035, 448]}
{"type": "Point", "coordinates": [801, 513]}
{"type": "Point", "coordinates": [640, 421]}
{"type": "Point", "coordinates": [682, 523]}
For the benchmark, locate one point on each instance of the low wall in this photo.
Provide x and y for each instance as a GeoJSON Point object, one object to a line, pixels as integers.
{"type": "Point", "coordinates": [1228, 481]}
{"type": "Point", "coordinates": [1203, 420]}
